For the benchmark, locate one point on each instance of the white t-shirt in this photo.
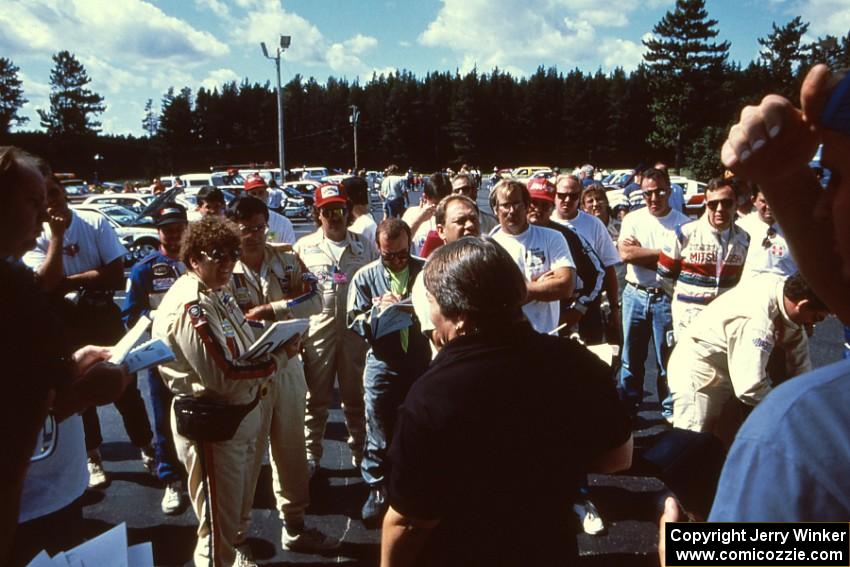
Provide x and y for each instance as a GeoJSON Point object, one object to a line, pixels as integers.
{"type": "Point", "coordinates": [422, 230]}
{"type": "Point", "coordinates": [55, 482]}
{"type": "Point", "coordinates": [596, 233]}
{"type": "Point", "coordinates": [365, 226]}
{"type": "Point", "coordinates": [89, 243]}
{"type": "Point", "coordinates": [651, 232]}
{"type": "Point", "coordinates": [772, 259]}
{"type": "Point", "coordinates": [536, 251]}
{"type": "Point", "coordinates": [280, 229]}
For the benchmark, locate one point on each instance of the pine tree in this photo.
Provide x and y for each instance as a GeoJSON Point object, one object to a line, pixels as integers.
{"type": "Point", "coordinates": [782, 53]}
{"type": "Point", "coordinates": [150, 123]}
{"type": "Point", "coordinates": [72, 104]}
{"type": "Point", "coordinates": [685, 65]}
{"type": "Point", "coordinates": [11, 95]}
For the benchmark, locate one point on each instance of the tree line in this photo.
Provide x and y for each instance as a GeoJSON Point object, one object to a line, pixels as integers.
{"type": "Point", "coordinates": [676, 106]}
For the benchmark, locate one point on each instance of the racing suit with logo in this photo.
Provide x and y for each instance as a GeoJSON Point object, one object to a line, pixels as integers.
{"type": "Point", "coordinates": [148, 283]}
{"type": "Point", "coordinates": [285, 284]}
{"type": "Point", "coordinates": [700, 264]}
{"type": "Point", "coordinates": [208, 333]}
{"type": "Point", "coordinates": [724, 353]}
{"type": "Point", "coordinates": [331, 349]}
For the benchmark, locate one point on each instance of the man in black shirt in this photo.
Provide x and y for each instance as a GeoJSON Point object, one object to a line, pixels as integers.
{"type": "Point", "coordinates": [492, 440]}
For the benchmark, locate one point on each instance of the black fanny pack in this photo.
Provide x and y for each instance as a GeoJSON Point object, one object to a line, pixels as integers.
{"type": "Point", "coordinates": [202, 419]}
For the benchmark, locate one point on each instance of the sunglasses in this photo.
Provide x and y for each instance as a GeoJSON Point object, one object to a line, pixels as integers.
{"type": "Point", "coordinates": [253, 229]}
{"type": "Point", "coordinates": [400, 255]}
{"type": "Point", "coordinates": [771, 232]}
{"type": "Point", "coordinates": [727, 203]}
{"type": "Point", "coordinates": [657, 193]}
{"type": "Point", "coordinates": [567, 196]}
{"type": "Point", "coordinates": [217, 256]}
{"type": "Point", "coordinates": [331, 213]}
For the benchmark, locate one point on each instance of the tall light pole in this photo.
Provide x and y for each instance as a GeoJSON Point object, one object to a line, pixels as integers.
{"type": "Point", "coordinates": [354, 119]}
{"type": "Point", "coordinates": [284, 44]}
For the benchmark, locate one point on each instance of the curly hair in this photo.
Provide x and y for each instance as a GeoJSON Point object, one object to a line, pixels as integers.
{"type": "Point", "coordinates": [206, 235]}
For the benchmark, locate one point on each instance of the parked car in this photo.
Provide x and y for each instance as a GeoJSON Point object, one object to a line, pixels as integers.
{"type": "Point", "coordinates": [314, 173]}
{"type": "Point", "coordinates": [75, 189]}
{"type": "Point", "coordinates": [139, 240]}
{"type": "Point", "coordinates": [136, 202]}
{"type": "Point", "coordinates": [525, 172]}
{"type": "Point", "coordinates": [292, 193]}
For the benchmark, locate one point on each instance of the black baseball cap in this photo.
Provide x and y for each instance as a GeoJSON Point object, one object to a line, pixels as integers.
{"type": "Point", "coordinates": [170, 214]}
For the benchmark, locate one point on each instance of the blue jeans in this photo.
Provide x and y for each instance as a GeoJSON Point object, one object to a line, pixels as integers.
{"type": "Point", "coordinates": [645, 315]}
{"type": "Point", "coordinates": [168, 467]}
{"type": "Point", "coordinates": [385, 388]}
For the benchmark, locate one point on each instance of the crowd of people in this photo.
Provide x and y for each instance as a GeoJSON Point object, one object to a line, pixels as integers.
{"type": "Point", "coordinates": [456, 338]}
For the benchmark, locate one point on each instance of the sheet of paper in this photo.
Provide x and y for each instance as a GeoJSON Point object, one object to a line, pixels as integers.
{"type": "Point", "coordinates": [605, 352]}
{"type": "Point", "coordinates": [148, 354]}
{"type": "Point", "coordinates": [133, 337]}
{"type": "Point", "coordinates": [109, 548]}
{"type": "Point", "coordinates": [391, 318]}
{"type": "Point", "coordinates": [140, 555]}
{"type": "Point", "coordinates": [278, 333]}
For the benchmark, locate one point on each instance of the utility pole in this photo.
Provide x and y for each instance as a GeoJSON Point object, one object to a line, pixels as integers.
{"type": "Point", "coordinates": [354, 119]}
{"type": "Point", "coordinates": [285, 41]}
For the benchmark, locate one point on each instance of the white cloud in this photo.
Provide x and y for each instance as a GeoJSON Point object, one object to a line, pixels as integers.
{"type": "Point", "coordinates": [266, 20]}
{"type": "Point", "coordinates": [826, 16]}
{"type": "Point", "coordinates": [218, 77]}
{"type": "Point", "coordinates": [567, 33]}
{"type": "Point", "coordinates": [217, 7]}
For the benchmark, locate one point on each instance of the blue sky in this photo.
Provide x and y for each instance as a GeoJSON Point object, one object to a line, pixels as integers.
{"type": "Point", "coordinates": [135, 49]}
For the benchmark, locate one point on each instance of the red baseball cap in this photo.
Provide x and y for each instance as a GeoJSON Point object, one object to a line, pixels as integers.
{"type": "Point", "coordinates": [542, 189]}
{"type": "Point", "coordinates": [330, 193]}
{"type": "Point", "coordinates": [254, 181]}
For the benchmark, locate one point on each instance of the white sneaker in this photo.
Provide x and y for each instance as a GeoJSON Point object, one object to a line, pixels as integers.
{"type": "Point", "coordinates": [588, 515]}
{"type": "Point", "coordinates": [173, 497]}
{"type": "Point", "coordinates": [149, 459]}
{"type": "Point", "coordinates": [307, 540]}
{"type": "Point", "coordinates": [97, 476]}
{"type": "Point", "coordinates": [244, 556]}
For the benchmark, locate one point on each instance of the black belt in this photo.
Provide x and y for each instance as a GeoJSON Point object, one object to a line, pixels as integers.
{"type": "Point", "coordinates": [649, 290]}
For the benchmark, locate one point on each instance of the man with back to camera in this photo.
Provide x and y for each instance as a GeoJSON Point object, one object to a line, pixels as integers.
{"type": "Point", "coordinates": [79, 254]}
{"type": "Point", "coordinates": [706, 258]}
{"type": "Point", "coordinates": [541, 253]}
{"type": "Point", "coordinates": [646, 307]}
{"type": "Point", "coordinates": [149, 280]}
{"type": "Point", "coordinates": [332, 351]}
{"type": "Point", "coordinates": [395, 360]}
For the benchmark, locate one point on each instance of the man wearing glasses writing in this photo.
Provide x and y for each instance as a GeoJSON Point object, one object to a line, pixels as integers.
{"type": "Point", "coordinates": [332, 350]}
{"type": "Point", "coordinates": [396, 359]}
{"type": "Point", "coordinates": [646, 307]}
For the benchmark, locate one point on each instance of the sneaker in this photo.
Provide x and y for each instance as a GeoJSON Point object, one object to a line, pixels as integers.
{"type": "Point", "coordinates": [244, 556]}
{"type": "Point", "coordinates": [375, 506]}
{"type": "Point", "coordinates": [173, 497]}
{"type": "Point", "coordinates": [588, 515]}
{"type": "Point", "coordinates": [307, 540]}
{"type": "Point", "coordinates": [97, 476]}
{"type": "Point", "coordinates": [149, 459]}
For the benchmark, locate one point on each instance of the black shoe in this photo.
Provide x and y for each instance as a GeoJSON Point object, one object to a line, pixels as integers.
{"type": "Point", "coordinates": [375, 506]}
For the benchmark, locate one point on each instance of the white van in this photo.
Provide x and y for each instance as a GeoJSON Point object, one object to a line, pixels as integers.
{"type": "Point", "coordinates": [315, 173]}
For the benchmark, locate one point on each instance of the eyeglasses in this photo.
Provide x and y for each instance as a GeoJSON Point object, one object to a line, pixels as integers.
{"type": "Point", "coordinates": [218, 256]}
{"type": "Point", "coordinates": [657, 193]}
{"type": "Point", "coordinates": [568, 196]}
{"type": "Point", "coordinates": [727, 204]}
{"type": "Point", "coordinates": [766, 243]}
{"type": "Point", "coordinates": [507, 207]}
{"type": "Point", "coordinates": [331, 213]}
{"type": "Point", "coordinates": [400, 255]}
{"type": "Point", "coordinates": [253, 229]}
